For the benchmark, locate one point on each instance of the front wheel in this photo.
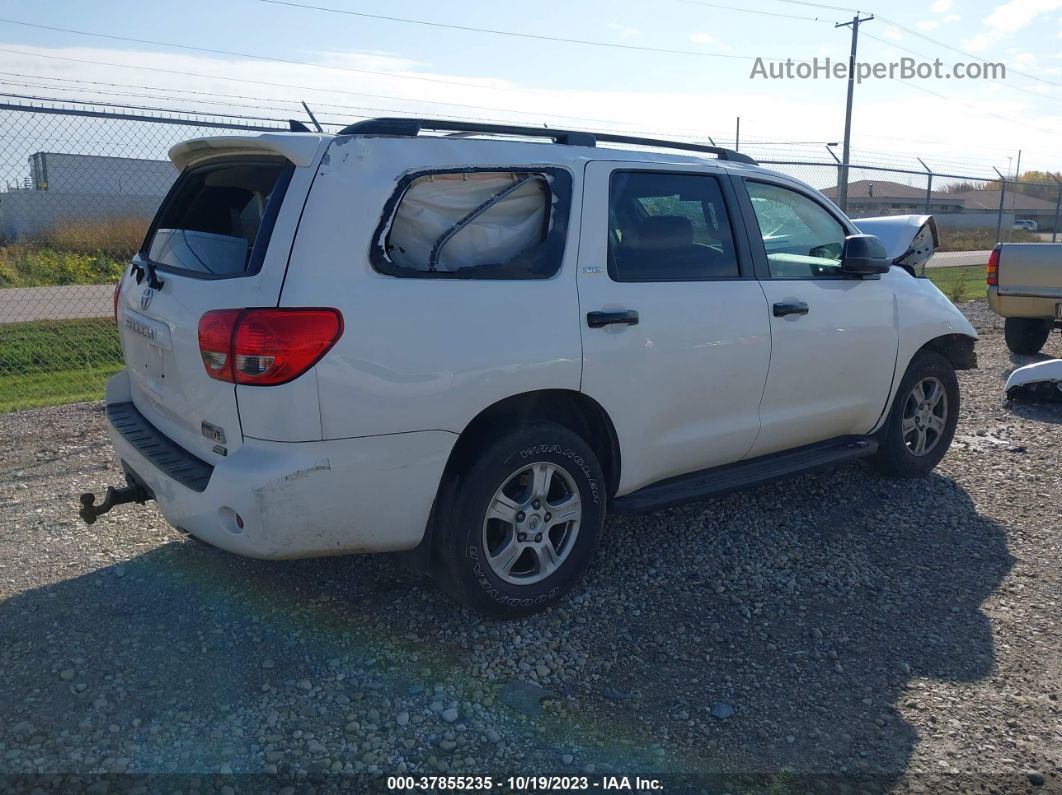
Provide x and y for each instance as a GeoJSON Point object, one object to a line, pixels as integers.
{"type": "Point", "coordinates": [1026, 335]}
{"type": "Point", "coordinates": [523, 523]}
{"type": "Point", "coordinates": [922, 420]}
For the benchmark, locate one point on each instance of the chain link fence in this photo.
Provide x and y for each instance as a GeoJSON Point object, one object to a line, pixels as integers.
{"type": "Point", "coordinates": [78, 189]}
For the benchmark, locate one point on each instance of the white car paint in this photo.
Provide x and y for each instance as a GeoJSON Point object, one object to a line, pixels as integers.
{"type": "Point", "coordinates": [702, 344]}
{"type": "Point", "coordinates": [830, 369]}
{"type": "Point", "coordinates": [1042, 376]}
{"type": "Point", "coordinates": [909, 240]}
{"type": "Point", "coordinates": [348, 457]}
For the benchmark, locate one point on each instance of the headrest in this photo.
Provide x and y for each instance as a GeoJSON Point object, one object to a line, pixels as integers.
{"type": "Point", "coordinates": [665, 232]}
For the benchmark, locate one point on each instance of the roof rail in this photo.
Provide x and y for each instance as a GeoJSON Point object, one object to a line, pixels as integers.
{"type": "Point", "coordinates": [411, 127]}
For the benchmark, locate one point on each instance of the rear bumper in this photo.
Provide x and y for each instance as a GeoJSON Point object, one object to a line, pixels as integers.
{"type": "Point", "coordinates": [295, 499]}
{"type": "Point", "coordinates": [1021, 305]}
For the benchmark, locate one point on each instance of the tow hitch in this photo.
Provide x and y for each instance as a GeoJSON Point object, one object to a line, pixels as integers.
{"type": "Point", "coordinates": [132, 492]}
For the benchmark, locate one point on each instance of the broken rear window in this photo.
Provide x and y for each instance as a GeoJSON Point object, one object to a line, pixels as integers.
{"type": "Point", "coordinates": [477, 224]}
{"type": "Point", "coordinates": [217, 219]}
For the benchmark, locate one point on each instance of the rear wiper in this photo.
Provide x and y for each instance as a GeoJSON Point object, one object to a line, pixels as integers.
{"type": "Point", "coordinates": [147, 268]}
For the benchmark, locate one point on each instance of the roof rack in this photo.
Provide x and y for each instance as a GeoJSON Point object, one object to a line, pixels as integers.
{"type": "Point", "coordinates": [408, 127]}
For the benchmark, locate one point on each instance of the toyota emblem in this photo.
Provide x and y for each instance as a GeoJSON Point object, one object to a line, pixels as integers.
{"type": "Point", "coordinates": [145, 299]}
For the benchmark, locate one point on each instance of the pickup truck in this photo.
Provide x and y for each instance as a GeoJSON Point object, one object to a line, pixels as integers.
{"type": "Point", "coordinates": [1025, 287]}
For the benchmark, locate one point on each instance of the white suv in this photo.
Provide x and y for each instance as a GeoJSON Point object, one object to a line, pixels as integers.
{"type": "Point", "coordinates": [473, 345]}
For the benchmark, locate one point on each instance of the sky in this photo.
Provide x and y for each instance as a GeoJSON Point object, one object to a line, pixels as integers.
{"type": "Point", "coordinates": [679, 68]}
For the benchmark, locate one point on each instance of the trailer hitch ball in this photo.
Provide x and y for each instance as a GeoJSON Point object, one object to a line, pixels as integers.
{"type": "Point", "coordinates": [133, 492]}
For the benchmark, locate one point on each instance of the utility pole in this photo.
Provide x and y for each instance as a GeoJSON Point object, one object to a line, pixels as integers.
{"type": "Point", "coordinates": [846, 152]}
{"type": "Point", "coordinates": [737, 135]}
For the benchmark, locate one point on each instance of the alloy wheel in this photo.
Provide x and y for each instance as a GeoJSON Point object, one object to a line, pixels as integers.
{"type": "Point", "coordinates": [531, 523]}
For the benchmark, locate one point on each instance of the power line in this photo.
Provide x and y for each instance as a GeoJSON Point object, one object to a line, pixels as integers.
{"type": "Point", "coordinates": [746, 11]}
{"type": "Point", "coordinates": [309, 88]}
{"type": "Point", "coordinates": [365, 112]}
{"type": "Point", "coordinates": [923, 55]}
{"type": "Point", "coordinates": [920, 35]}
{"type": "Point", "coordinates": [33, 98]}
{"type": "Point", "coordinates": [846, 9]}
{"type": "Point", "coordinates": [964, 52]}
{"type": "Point", "coordinates": [700, 134]}
{"type": "Point", "coordinates": [233, 53]}
{"type": "Point", "coordinates": [980, 110]}
{"type": "Point", "coordinates": [694, 133]}
{"type": "Point", "coordinates": [510, 33]}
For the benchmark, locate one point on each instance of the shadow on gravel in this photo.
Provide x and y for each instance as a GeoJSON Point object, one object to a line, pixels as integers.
{"type": "Point", "coordinates": [806, 606]}
{"type": "Point", "coordinates": [809, 608]}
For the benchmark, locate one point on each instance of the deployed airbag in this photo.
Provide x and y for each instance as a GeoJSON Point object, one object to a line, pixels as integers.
{"type": "Point", "coordinates": [433, 205]}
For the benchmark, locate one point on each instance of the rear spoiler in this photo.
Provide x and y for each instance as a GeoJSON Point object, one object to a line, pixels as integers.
{"type": "Point", "coordinates": [909, 240]}
{"type": "Point", "coordinates": [299, 148]}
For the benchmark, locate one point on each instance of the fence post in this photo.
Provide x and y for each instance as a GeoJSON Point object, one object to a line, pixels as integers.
{"type": "Point", "coordinates": [1002, 198]}
{"type": "Point", "coordinates": [1058, 206]}
{"type": "Point", "coordinates": [929, 183]}
{"type": "Point", "coordinates": [840, 175]}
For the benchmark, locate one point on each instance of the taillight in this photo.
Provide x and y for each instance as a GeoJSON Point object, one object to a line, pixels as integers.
{"type": "Point", "coordinates": [266, 347]}
{"type": "Point", "coordinates": [117, 292]}
{"type": "Point", "coordinates": [992, 271]}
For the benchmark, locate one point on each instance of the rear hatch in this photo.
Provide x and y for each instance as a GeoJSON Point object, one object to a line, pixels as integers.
{"type": "Point", "coordinates": [221, 240]}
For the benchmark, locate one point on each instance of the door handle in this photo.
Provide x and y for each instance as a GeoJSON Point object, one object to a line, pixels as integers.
{"type": "Point", "coordinates": [790, 308]}
{"type": "Point", "coordinates": [601, 319]}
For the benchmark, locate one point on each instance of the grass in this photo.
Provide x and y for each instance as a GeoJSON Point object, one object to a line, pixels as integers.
{"type": "Point", "coordinates": [51, 362]}
{"type": "Point", "coordinates": [118, 238]}
{"type": "Point", "coordinates": [959, 284]}
{"type": "Point", "coordinates": [73, 253]}
{"type": "Point", "coordinates": [26, 265]}
{"type": "Point", "coordinates": [980, 239]}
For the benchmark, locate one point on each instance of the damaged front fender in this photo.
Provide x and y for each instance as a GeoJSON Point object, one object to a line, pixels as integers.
{"type": "Point", "coordinates": [909, 240]}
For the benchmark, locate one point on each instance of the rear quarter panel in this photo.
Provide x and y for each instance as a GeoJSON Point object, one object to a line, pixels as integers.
{"type": "Point", "coordinates": [423, 354]}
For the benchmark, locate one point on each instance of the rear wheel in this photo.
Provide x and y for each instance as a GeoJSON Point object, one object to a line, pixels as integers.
{"type": "Point", "coordinates": [922, 420]}
{"type": "Point", "coordinates": [1026, 335]}
{"type": "Point", "coordinates": [522, 523]}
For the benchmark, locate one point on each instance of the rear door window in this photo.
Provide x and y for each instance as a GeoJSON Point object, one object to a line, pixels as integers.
{"type": "Point", "coordinates": [666, 226]}
{"type": "Point", "coordinates": [475, 224]}
{"type": "Point", "coordinates": [218, 217]}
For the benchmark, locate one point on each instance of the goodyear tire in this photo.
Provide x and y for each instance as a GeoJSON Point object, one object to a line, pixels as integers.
{"type": "Point", "coordinates": [521, 523]}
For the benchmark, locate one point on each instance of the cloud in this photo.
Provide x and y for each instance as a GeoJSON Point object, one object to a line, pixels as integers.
{"type": "Point", "coordinates": [623, 30]}
{"type": "Point", "coordinates": [703, 38]}
{"type": "Point", "coordinates": [892, 34]}
{"type": "Point", "coordinates": [952, 18]}
{"type": "Point", "coordinates": [940, 6]}
{"type": "Point", "coordinates": [1009, 18]}
{"type": "Point", "coordinates": [927, 24]}
{"type": "Point", "coordinates": [675, 108]}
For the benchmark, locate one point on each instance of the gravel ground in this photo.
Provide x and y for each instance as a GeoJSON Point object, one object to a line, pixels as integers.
{"type": "Point", "coordinates": [904, 635]}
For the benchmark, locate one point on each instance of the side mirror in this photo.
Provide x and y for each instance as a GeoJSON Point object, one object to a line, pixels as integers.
{"type": "Point", "coordinates": [864, 255]}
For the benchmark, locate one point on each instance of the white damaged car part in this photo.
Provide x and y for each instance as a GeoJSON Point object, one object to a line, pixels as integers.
{"type": "Point", "coordinates": [1041, 380]}
{"type": "Point", "coordinates": [909, 240]}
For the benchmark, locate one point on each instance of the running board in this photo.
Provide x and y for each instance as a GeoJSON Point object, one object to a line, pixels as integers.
{"type": "Point", "coordinates": [731, 477]}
